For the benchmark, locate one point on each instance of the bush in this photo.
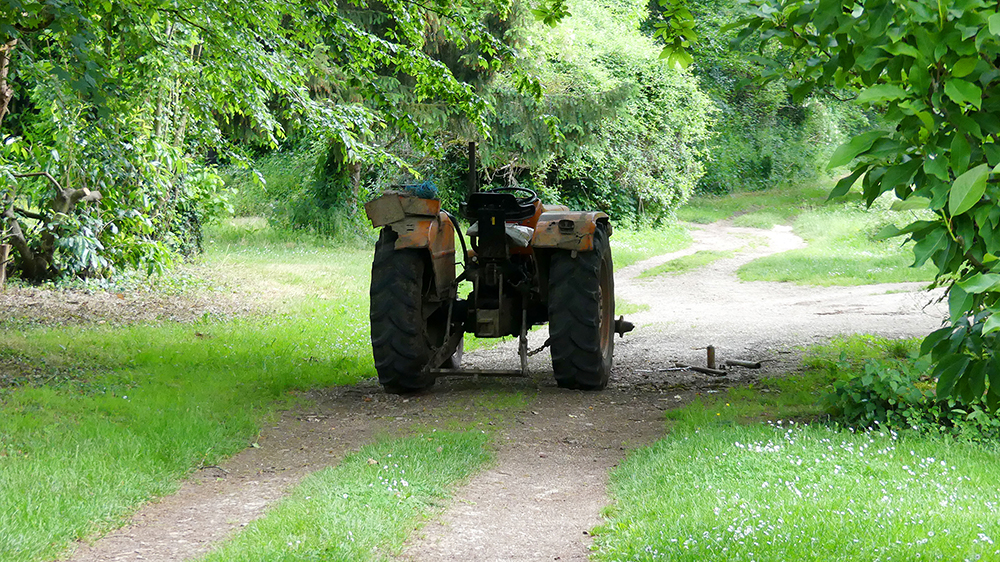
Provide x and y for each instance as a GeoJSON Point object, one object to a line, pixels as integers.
{"type": "Point", "coordinates": [899, 394]}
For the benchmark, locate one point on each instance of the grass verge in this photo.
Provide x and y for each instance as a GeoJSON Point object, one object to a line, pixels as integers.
{"type": "Point", "coordinates": [733, 482]}
{"type": "Point", "coordinates": [129, 410]}
{"type": "Point", "coordinates": [631, 246]}
{"type": "Point", "coordinates": [683, 264]}
{"type": "Point", "coordinates": [842, 250]}
{"type": "Point", "coordinates": [365, 507]}
{"type": "Point", "coordinates": [757, 209]}
{"type": "Point", "coordinates": [789, 492]}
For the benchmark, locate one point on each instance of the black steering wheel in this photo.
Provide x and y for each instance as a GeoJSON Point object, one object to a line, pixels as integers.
{"type": "Point", "coordinates": [528, 196]}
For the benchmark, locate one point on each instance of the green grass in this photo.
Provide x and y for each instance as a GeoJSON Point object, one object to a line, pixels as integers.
{"type": "Point", "coordinates": [734, 482]}
{"type": "Point", "coordinates": [684, 264]}
{"type": "Point", "coordinates": [365, 507]}
{"type": "Point", "coordinates": [788, 492]}
{"type": "Point", "coordinates": [119, 414]}
{"type": "Point", "coordinates": [842, 250]}
{"type": "Point", "coordinates": [624, 307]}
{"type": "Point", "coordinates": [760, 219]}
{"type": "Point", "coordinates": [758, 209]}
{"type": "Point", "coordinates": [793, 396]}
{"type": "Point", "coordinates": [631, 246]}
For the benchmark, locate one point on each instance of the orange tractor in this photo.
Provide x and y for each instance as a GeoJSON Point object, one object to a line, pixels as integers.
{"type": "Point", "coordinates": [528, 263]}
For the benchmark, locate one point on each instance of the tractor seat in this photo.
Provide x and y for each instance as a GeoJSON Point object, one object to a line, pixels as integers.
{"type": "Point", "coordinates": [504, 205]}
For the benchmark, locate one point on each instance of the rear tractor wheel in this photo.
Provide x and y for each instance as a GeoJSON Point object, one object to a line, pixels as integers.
{"type": "Point", "coordinates": [581, 315]}
{"type": "Point", "coordinates": [407, 327]}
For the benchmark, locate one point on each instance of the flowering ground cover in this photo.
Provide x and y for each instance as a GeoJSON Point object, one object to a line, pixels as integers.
{"type": "Point", "coordinates": [798, 492]}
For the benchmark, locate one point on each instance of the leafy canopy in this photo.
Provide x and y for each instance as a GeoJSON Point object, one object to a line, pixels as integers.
{"type": "Point", "coordinates": [932, 67]}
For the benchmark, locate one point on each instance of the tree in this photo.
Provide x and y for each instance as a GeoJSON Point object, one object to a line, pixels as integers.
{"type": "Point", "coordinates": [617, 127]}
{"type": "Point", "coordinates": [933, 68]}
{"type": "Point", "coordinates": [131, 99]}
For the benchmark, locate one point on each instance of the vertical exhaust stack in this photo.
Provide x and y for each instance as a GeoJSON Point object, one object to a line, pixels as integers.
{"type": "Point", "coordinates": [472, 180]}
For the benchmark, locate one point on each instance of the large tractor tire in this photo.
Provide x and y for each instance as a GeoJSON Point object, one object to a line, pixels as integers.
{"type": "Point", "coordinates": [406, 327]}
{"type": "Point", "coordinates": [581, 315]}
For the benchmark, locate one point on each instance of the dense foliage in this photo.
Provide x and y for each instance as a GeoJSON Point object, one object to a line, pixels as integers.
{"type": "Point", "coordinates": [763, 137]}
{"type": "Point", "coordinates": [932, 68]}
{"type": "Point", "coordinates": [898, 394]}
{"type": "Point", "coordinates": [124, 104]}
{"type": "Point", "coordinates": [616, 129]}
{"type": "Point", "coordinates": [121, 114]}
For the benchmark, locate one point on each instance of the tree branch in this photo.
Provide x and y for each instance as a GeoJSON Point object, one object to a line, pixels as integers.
{"type": "Point", "coordinates": [42, 174]}
{"type": "Point", "coordinates": [16, 236]}
{"type": "Point", "coordinates": [29, 214]}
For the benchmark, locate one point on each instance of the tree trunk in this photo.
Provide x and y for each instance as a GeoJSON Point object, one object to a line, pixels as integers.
{"type": "Point", "coordinates": [36, 265]}
{"type": "Point", "coordinates": [4, 253]}
{"type": "Point", "coordinates": [6, 91]}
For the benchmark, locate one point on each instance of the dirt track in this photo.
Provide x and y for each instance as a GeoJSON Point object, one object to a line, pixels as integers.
{"type": "Point", "coordinates": [545, 491]}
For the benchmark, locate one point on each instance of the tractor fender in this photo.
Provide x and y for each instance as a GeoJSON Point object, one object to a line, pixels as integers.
{"type": "Point", "coordinates": [392, 207]}
{"type": "Point", "coordinates": [437, 236]}
{"type": "Point", "coordinates": [568, 230]}
{"type": "Point", "coordinates": [419, 224]}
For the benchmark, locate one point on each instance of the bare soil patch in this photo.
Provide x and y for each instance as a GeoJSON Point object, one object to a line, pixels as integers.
{"type": "Point", "coordinates": [544, 493]}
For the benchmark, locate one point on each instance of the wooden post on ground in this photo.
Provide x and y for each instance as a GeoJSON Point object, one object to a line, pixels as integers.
{"type": "Point", "coordinates": [711, 357]}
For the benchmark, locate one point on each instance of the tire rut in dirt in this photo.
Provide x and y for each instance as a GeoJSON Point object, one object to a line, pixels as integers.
{"type": "Point", "coordinates": [581, 308]}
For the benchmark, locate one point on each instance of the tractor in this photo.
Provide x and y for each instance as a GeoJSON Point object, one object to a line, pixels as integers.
{"type": "Point", "coordinates": [528, 263]}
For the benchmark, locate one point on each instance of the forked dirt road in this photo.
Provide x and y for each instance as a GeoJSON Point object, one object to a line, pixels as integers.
{"type": "Point", "coordinates": [543, 494]}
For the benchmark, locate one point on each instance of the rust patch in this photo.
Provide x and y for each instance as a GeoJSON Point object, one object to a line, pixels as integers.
{"type": "Point", "coordinates": [394, 207]}
{"type": "Point", "coordinates": [437, 235]}
{"type": "Point", "coordinates": [567, 230]}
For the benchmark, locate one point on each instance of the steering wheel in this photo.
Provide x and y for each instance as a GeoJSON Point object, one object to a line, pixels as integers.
{"type": "Point", "coordinates": [527, 198]}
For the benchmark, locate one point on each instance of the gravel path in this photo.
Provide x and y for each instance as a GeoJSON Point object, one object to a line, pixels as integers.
{"type": "Point", "coordinates": [544, 493]}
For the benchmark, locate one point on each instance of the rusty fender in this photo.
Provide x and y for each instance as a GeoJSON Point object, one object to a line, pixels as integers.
{"type": "Point", "coordinates": [394, 207]}
{"type": "Point", "coordinates": [568, 230]}
{"type": "Point", "coordinates": [437, 235]}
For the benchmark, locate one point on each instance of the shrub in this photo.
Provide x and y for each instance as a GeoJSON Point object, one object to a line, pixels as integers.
{"type": "Point", "coordinates": [899, 394]}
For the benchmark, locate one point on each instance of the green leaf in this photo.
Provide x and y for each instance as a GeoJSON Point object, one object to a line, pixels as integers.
{"type": "Point", "coordinates": [852, 148]}
{"type": "Point", "coordinates": [933, 242]}
{"type": "Point", "coordinates": [968, 189]}
{"type": "Point", "coordinates": [903, 49]}
{"type": "Point", "coordinates": [962, 91]}
{"type": "Point", "coordinates": [959, 303]}
{"type": "Point", "coordinates": [882, 92]}
{"type": "Point", "coordinates": [992, 323]}
{"type": "Point", "coordinates": [979, 283]}
{"type": "Point", "coordinates": [960, 153]}
{"type": "Point", "coordinates": [948, 370]}
{"type": "Point", "coordinates": [679, 59]}
{"type": "Point", "coordinates": [900, 174]}
{"type": "Point", "coordinates": [937, 167]}
{"type": "Point", "coordinates": [934, 339]}
{"type": "Point", "coordinates": [995, 24]}
{"type": "Point", "coordinates": [911, 204]}
{"type": "Point", "coordinates": [845, 183]}
{"type": "Point", "coordinates": [964, 67]}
